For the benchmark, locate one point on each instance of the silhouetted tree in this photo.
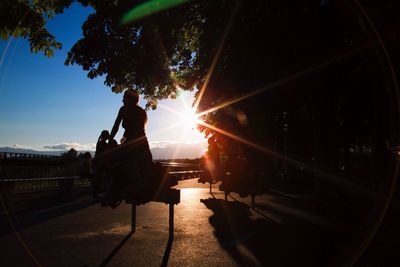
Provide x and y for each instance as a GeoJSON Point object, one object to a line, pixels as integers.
{"type": "Point", "coordinates": [70, 154]}
{"type": "Point", "coordinates": [27, 19]}
{"type": "Point", "coordinates": [324, 95]}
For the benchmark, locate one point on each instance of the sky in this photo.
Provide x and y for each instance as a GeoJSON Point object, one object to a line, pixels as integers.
{"type": "Point", "coordinates": [46, 105]}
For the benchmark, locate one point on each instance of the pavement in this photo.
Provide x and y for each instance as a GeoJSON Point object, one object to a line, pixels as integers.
{"type": "Point", "coordinates": [209, 231]}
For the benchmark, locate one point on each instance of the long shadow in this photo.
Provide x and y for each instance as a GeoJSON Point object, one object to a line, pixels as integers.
{"type": "Point", "coordinates": [255, 210]}
{"type": "Point", "coordinates": [115, 250]}
{"type": "Point", "coordinates": [42, 209]}
{"type": "Point", "coordinates": [167, 252]}
{"type": "Point", "coordinates": [260, 207]}
{"type": "Point", "coordinates": [260, 242]}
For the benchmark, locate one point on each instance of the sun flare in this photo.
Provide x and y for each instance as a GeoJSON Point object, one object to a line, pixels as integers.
{"type": "Point", "coordinates": [190, 119]}
{"type": "Point", "coordinates": [182, 119]}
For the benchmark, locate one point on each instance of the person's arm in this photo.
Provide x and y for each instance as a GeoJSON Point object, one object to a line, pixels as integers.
{"type": "Point", "coordinates": [116, 124]}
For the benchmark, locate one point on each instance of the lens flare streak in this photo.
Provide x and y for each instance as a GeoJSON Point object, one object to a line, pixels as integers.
{"type": "Point", "coordinates": [281, 82]}
{"type": "Point", "coordinates": [217, 54]}
{"type": "Point", "coordinates": [322, 174]}
{"type": "Point", "coordinates": [149, 8]}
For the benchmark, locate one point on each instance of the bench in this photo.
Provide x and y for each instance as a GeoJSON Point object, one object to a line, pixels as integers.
{"type": "Point", "coordinates": [243, 192]}
{"type": "Point", "coordinates": [160, 191]}
{"type": "Point", "coordinates": [170, 197]}
{"type": "Point", "coordinates": [228, 189]}
{"type": "Point", "coordinates": [162, 194]}
{"type": "Point", "coordinates": [204, 180]}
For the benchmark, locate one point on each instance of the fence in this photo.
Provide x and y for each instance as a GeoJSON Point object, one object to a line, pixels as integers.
{"type": "Point", "coordinates": [23, 173]}
{"type": "Point", "coordinates": [64, 184]}
{"type": "Point", "coordinates": [182, 170]}
{"type": "Point", "coordinates": [27, 173]}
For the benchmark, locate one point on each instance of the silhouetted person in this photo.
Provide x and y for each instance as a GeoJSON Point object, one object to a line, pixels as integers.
{"type": "Point", "coordinates": [101, 177]}
{"type": "Point", "coordinates": [138, 160]}
{"type": "Point", "coordinates": [86, 171]}
{"type": "Point", "coordinates": [102, 144]}
{"type": "Point", "coordinates": [112, 144]}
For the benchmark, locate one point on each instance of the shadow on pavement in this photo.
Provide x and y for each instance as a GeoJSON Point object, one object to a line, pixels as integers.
{"type": "Point", "coordinates": [165, 259]}
{"type": "Point", "coordinates": [260, 242]}
{"type": "Point", "coordinates": [167, 252]}
{"type": "Point", "coordinates": [115, 250]}
{"type": "Point", "coordinates": [31, 210]}
{"type": "Point", "coordinates": [383, 249]}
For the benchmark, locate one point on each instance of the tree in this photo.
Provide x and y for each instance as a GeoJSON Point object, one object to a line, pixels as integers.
{"type": "Point", "coordinates": [153, 55]}
{"type": "Point", "coordinates": [27, 19]}
{"type": "Point", "coordinates": [70, 154]}
{"type": "Point", "coordinates": [306, 72]}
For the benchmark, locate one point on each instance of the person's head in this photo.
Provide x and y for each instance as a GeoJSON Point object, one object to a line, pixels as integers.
{"type": "Point", "coordinates": [105, 135]}
{"type": "Point", "coordinates": [87, 155]}
{"type": "Point", "coordinates": [112, 143]}
{"type": "Point", "coordinates": [131, 97]}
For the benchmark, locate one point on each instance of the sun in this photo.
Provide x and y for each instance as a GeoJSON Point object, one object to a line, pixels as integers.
{"type": "Point", "coordinates": [190, 119]}
{"type": "Point", "coordinates": [183, 119]}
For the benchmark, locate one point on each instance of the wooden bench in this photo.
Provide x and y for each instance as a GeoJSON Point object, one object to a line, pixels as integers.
{"type": "Point", "coordinates": [160, 191]}
{"type": "Point", "coordinates": [253, 192]}
{"type": "Point", "coordinates": [228, 189]}
{"type": "Point", "coordinates": [168, 196]}
{"type": "Point", "coordinates": [204, 180]}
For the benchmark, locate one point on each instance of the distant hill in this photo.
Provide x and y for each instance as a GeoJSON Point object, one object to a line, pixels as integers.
{"type": "Point", "coordinates": [178, 151]}
{"type": "Point", "coordinates": [166, 151]}
{"type": "Point", "coordinates": [29, 151]}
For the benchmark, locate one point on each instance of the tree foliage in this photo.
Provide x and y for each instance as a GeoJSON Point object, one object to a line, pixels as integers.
{"type": "Point", "coordinates": [70, 154]}
{"type": "Point", "coordinates": [27, 19]}
{"type": "Point", "coordinates": [317, 68]}
{"type": "Point", "coordinates": [153, 55]}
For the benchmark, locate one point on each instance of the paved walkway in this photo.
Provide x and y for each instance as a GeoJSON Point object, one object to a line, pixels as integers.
{"type": "Point", "coordinates": [281, 231]}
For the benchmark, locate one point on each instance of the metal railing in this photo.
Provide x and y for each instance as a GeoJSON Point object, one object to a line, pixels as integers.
{"type": "Point", "coordinates": [27, 173]}
{"type": "Point", "coordinates": [63, 184]}
{"type": "Point", "coordinates": [13, 155]}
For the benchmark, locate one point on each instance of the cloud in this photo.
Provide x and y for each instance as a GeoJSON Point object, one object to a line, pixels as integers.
{"type": "Point", "coordinates": [167, 144]}
{"type": "Point", "coordinates": [20, 146]}
{"type": "Point", "coordinates": [68, 146]}
{"type": "Point", "coordinates": [162, 144]}
{"type": "Point", "coordinates": [176, 150]}
{"type": "Point", "coordinates": [159, 149]}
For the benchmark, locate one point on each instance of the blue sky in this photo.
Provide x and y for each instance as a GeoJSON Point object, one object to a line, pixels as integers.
{"type": "Point", "coordinates": [46, 104]}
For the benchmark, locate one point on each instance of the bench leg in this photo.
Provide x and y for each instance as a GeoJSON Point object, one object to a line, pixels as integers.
{"type": "Point", "coordinates": [226, 196]}
{"type": "Point", "coordinates": [253, 201]}
{"type": "Point", "coordinates": [171, 221]}
{"type": "Point", "coordinates": [210, 188]}
{"type": "Point", "coordinates": [133, 218]}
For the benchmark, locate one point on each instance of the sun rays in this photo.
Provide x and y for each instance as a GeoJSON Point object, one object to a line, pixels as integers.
{"type": "Point", "coordinates": [186, 118]}
{"type": "Point", "coordinates": [217, 54]}
{"type": "Point", "coordinates": [189, 117]}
